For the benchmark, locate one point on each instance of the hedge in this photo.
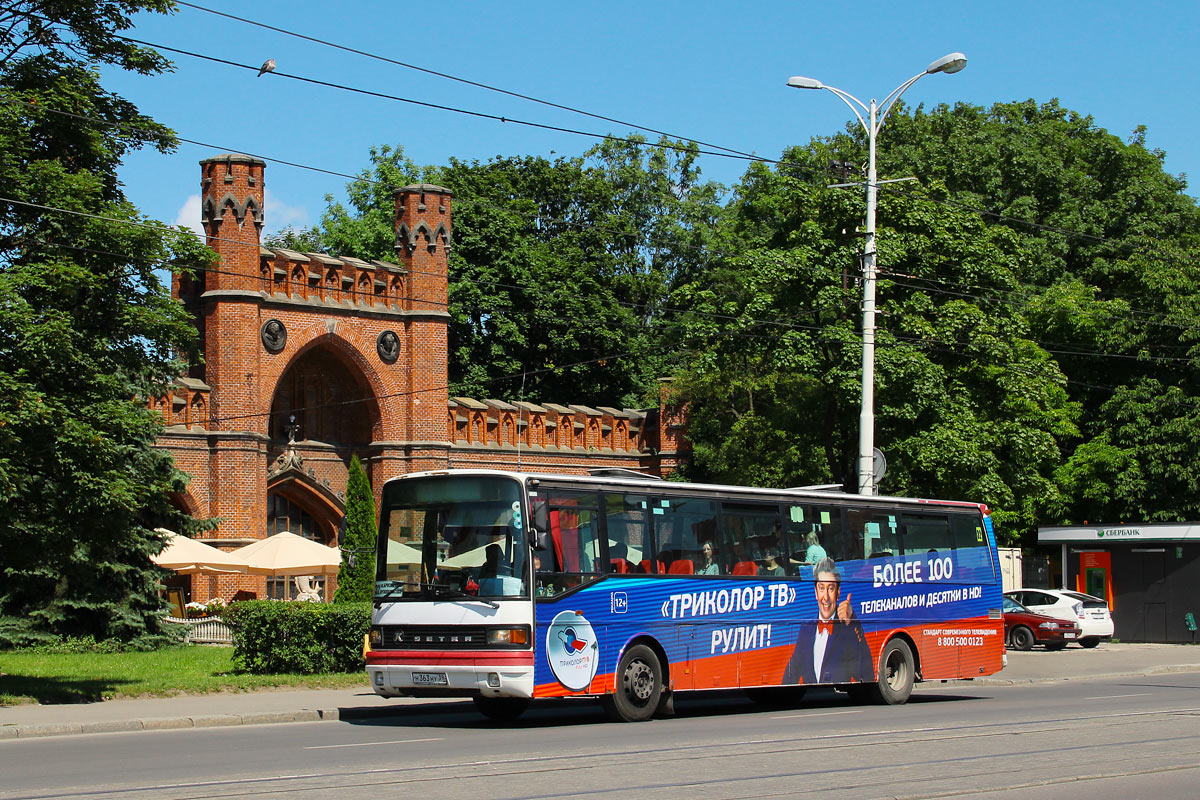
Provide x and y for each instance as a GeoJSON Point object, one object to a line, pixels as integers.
{"type": "Point", "coordinates": [301, 638]}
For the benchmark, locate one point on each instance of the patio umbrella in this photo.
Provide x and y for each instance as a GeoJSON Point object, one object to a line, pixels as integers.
{"type": "Point", "coordinates": [288, 554]}
{"type": "Point", "coordinates": [189, 557]}
{"type": "Point", "coordinates": [401, 553]}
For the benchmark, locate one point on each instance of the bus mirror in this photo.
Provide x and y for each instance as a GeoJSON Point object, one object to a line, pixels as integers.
{"type": "Point", "coordinates": [541, 515]}
{"type": "Point", "coordinates": [541, 538]}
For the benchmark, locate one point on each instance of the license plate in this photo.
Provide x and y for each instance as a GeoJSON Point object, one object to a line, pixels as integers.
{"type": "Point", "coordinates": [1065, 636]}
{"type": "Point", "coordinates": [430, 679]}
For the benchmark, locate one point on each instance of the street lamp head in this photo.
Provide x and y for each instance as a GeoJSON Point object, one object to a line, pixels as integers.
{"type": "Point", "coordinates": [799, 82]}
{"type": "Point", "coordinates": [948, 64]}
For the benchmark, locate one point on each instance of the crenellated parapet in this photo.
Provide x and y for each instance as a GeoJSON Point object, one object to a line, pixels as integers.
{"type": "Point", "coordinates": [188, 404]}
{"type": "Point", "coordinates": [340, 280]}
{"type": "Point", "coordinates": [548, 426]}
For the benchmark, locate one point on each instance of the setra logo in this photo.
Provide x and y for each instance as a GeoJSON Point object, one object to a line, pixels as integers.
{"type": "Point", "coordinates": [572, 650]}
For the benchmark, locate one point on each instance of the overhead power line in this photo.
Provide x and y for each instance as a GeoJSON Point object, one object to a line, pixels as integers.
{"type": "Point", "coordinates": [456, 78]}
{"type": "Point", "coordinates": [438, 106]}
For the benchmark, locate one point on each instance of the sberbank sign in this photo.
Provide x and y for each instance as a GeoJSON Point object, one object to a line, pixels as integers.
{"type": "Point", "coordinates": [1115, 533]}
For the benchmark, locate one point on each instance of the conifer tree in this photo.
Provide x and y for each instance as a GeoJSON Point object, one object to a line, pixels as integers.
{"type": "Point", "coordinates": [356, 578]}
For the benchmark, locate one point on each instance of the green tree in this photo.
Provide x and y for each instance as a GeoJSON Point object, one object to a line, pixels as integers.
{"type": "Point", "coordinates": [1109, 287]}
{"type": "Point", "coordinates": [87, 332]}
{"type": "Point", "coordinates": [560, 269]}
{"type": "Point", "coordinates": [1038, 320]}
{"type": "Point", "coordinates": [356, 577]}
{"type": "Point", "coordinates": [966, 404]}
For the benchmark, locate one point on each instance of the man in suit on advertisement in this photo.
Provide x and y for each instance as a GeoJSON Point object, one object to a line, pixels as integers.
{"type": "Point", "coordinates": [833, 649]}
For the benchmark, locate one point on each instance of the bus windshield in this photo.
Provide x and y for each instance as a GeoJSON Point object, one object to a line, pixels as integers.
{"type": "Point", "coordinates": [446, 538]}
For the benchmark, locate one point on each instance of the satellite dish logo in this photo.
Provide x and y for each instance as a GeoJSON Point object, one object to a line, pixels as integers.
{"type": "Point", "coordinates": [571, 641]}
{"type": "Point", "coordinates": [572, 650]}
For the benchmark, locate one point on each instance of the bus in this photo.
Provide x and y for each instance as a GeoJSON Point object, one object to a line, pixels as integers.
{"type": "Point", "coordinates": [508, 586]}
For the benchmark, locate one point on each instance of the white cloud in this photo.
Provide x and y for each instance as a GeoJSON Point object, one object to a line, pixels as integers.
{"type": "Point", "coordinates": [189, 215]}
{"type": "Point", "coordinates": [278, 215]}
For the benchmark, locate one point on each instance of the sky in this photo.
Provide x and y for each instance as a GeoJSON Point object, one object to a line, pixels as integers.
{"type": "Point", "coordinates": [709, 71]}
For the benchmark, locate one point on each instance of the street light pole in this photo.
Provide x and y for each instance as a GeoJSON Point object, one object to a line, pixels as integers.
{"type": "Point", "coordinates": [876, 115]}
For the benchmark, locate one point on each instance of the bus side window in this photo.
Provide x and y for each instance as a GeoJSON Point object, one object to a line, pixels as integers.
{"type": "Point", "coordinates": [573, 544]}
{"type": "Point", "coordinates": [874, 534]}
{"type": "Point", "coordinates": [681, 524]}
{"type": "Point", "coordinates": [966, 530]}
{"type": "Point", "coordinates": [927, 533]}
{"type": "Point", "coordinates": [813, 533]}
{"type": "Point", "coordinates": [754, 539]}
{"type": "Point", "coordinates": [625, 519]}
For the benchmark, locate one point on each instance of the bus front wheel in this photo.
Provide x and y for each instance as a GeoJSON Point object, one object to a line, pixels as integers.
{"type": "Point", "coordinates": [897, 671]}
{"type": "Point", "coordinates": [639, 686]}
{"type": "Point", "coordinates": [501, 709]}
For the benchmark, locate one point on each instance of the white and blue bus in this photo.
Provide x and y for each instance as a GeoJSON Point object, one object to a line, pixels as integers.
{"type": "Point", "coordinates": [508, 586]}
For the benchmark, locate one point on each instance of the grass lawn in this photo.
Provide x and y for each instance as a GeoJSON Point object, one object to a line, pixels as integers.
{"type": "Point", "coordinates": [84, 677]}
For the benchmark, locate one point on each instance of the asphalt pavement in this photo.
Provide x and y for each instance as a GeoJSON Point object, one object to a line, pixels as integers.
{"type": "Point", "coordinates": [314, 705]}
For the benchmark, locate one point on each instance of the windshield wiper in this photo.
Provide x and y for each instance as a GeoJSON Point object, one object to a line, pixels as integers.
{"type": "Point", "coordinates": [396, 586]}
{"type": "Point", "coordinates": [442, 591]}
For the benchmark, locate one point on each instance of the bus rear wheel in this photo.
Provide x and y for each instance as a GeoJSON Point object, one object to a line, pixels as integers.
{"type": "Point", "coordinates": [639, 686]}
{"type": "Point", "coordinates": [897, 672]}
{"type": "Point", "coordinates": [501, 709]}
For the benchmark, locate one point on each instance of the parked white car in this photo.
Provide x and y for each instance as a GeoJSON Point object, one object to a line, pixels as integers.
{"type": "Point", "coordinates": [1091, 613]}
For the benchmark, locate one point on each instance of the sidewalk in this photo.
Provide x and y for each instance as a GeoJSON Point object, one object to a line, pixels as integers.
{"type": "Point", "coordinates": [256, 708]}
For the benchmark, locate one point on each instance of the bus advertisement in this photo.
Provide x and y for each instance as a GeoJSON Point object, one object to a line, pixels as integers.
{"type": "Point", "coordinates": [504, 587]}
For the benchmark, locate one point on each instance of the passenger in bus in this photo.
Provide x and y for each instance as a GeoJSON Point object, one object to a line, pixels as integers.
{"type": "Point", "coordinates": [710, 566]}
{"type": "Point", "coordinates": [832, 649]}
{"type": "Point", "coordinates": [771, 565]}
{"type": "Point", "coordinates": [618, 554]}
{"type": "Point", "coordinates": [815, 552]}
{"type": "Point", "coordinates": [492, 556]}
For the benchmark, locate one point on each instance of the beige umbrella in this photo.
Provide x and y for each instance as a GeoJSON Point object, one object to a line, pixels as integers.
{"type": "Point", "coordinates": [189, 557]}
{"type": "Point", "coordinates": [288, 554]}
{"type": "Point", "coordinates": [401, 553]}
{"type": "Point", "coordinates": [470, 558]}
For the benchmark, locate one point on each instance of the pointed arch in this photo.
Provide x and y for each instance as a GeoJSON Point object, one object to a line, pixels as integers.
{"type": "Point", "coordinates": [298, 503]}
{"type": "Point", "coordinates": [330, 389]}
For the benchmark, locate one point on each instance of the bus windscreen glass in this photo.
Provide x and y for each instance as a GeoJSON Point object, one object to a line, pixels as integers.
{"type": "Point", "coordinates": [452, 538]}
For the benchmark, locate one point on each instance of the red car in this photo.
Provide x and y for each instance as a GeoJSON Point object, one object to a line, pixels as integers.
{"type": "Point", "coordinates": [1023, 628]}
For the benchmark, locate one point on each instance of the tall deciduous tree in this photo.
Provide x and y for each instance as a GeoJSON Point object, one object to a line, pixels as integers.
{"type": "Point", "coordinates": [1037, 320]}
{"type": "Point", "coordinates": [356, 576]}
{"type": "Point", "coordinates": [87, 332]}
{"type": "Point", "coordinates": [560, 270]}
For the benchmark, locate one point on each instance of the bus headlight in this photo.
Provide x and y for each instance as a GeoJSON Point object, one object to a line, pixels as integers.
{"type": "Point", "coordinates": [375, 637]}
{"type": "Point", "coordinates": [508, 636]}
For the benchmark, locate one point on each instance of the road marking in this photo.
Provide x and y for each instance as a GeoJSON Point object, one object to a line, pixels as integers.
{"type": "Point", "coordinates": [1115, 696]}
{"type": "Point", "coordinates": [369, 744]}
{"type": "Point", "coordinates": [820, 714]}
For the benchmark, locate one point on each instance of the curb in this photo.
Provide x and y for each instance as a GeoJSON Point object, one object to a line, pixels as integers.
{"type": "Point", "coordinates": [39, 730]}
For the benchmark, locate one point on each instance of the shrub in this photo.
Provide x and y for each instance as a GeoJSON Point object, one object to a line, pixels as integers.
{"type": "Point", "coordinates": [304, 638]}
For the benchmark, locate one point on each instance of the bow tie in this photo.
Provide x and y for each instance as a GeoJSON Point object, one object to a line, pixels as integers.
{"type": "Point", "coordinates": [825, 627]}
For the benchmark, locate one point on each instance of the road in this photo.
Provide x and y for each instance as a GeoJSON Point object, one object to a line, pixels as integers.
{"type": "Point", "coordinates": [1117, 737]}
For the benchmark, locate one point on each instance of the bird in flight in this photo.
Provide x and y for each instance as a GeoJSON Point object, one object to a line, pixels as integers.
{"type": "Point", "coordinates": [268, 66]}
